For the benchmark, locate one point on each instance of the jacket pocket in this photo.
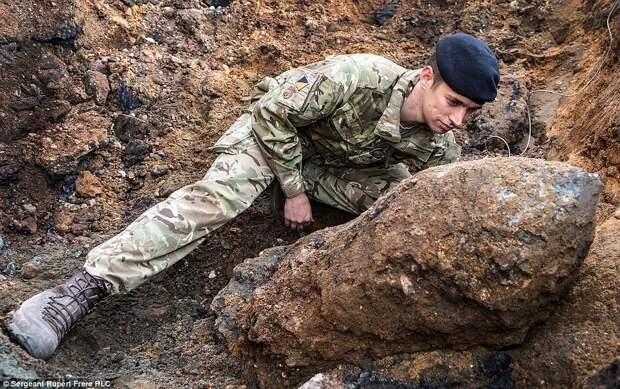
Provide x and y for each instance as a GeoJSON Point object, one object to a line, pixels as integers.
{"type": "Point", "coordinates": [346, 123]}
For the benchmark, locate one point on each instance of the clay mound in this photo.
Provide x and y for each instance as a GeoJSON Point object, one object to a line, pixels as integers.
{"type": "Point", "coordinates": [458, 256]}
{"type": "Point", "coordinates": [583, 334]}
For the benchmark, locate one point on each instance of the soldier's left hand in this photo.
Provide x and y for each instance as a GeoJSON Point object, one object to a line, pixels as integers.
{"type": "Point", "coordinates": [297, 212]}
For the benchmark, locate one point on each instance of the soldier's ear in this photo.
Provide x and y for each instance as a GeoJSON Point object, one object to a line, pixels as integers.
{"type": "Point", "coordinates": [426, 77]}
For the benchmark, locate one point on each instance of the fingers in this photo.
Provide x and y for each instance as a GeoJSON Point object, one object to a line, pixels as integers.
{"type": "Point", "coordinates": [297, 225]}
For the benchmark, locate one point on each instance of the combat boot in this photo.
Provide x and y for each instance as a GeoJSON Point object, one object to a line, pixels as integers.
{"type": "Point", "coordinates": [43, 320]}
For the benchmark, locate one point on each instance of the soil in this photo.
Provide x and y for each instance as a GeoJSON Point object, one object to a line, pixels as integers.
{"type": "Point", "coordinates": [178, 75]}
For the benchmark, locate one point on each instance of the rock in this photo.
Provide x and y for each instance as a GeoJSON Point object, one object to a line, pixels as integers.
{"type": "Point", "coordinates": [326, 381]}
{"type": "Point", "coordinates": [9, 163]}
{"type": "Point", "coordinates": [606, 378]}
{"type": "Point", "coordinates": [1, 244]}
{"type": "Point", "coordinates": [218, 3]}
{"type": "Point", "coordinates": [30, 270]}
{"type": "Point", "coordinates": [405, 277]}
{"type": "Point", "coordinates": [50, 78]}
{"type": "Point", "coordinates": [52, 111]}
{"type": "Point", "coordinates": [50, 61]}
{"type": "Point", "coordinates": [505, 117]}
{"type": "Point", "coordinates": [385, 13]}
{"type": "Point", "coordinates": [167, 188]}
{"type": "Point", "coordinates": [15, 365]}
{"type": "Point", "coordinates": [97, 86]}
{"type": "Point", "coordinates": [64, 219]}
{"type": "Point", "coordinates": [60, 149]}
{"type": "Point", "coordinates": [25, 103]}
{"type": "Point", "coordinates": [131, 3]}
{"type": "Point", "coordinates": [128, 99]}
{"type": "Point", "coordinates": [88, 185]}
{"type": "Point", "coordinates": [127, 128]}
{"type": "Point", "coordinates": [582, 334]}
{"type": "Point", "coordinates": [135, 151]}
{"type": "Point", "coordinates": [58, 31]}
{"type": "Point", "coordinates": [29, 209]}
{"type": "Point", "coordinates": [159, 170]}
{"type": "Point", "coordinates": [10, 269]}
{"type": "Point", "coordinates": [141, 204]}
{"type": "Point", "coordinates": [25, 220]}
{"type": "Point", "coordinates": [215, 84]}
{"type": "Point", "coordinates": [78, 229]}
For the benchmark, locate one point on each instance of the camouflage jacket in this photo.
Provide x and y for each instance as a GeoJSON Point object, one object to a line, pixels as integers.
{"type": "Point", "coordinates": [343, 111]}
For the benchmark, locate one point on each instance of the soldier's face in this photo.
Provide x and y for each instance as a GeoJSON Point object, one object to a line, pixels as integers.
{"type": "Point", "coordinates": [442, 108]}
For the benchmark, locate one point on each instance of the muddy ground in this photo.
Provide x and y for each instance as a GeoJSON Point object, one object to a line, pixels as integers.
{"type": "Point", "coordinates": [177, 76]}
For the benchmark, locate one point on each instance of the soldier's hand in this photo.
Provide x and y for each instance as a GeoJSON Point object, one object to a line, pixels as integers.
{"type": "Point", "coordinates": [297, 212]}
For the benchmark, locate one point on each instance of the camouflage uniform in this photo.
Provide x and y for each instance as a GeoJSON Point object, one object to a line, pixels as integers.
{"type": "Point", "coordinates": [330, 129]}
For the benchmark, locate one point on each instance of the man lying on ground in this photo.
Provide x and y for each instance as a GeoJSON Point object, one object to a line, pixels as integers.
{"type": "Point", "coordinates": [334, 131]}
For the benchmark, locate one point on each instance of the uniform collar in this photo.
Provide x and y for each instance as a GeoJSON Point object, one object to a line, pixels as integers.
{"type": "Point", "coordinates": [388, 126]}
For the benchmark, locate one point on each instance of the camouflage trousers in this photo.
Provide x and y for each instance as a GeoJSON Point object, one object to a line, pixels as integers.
{"type": "Point", "coordinates": [170, 230]}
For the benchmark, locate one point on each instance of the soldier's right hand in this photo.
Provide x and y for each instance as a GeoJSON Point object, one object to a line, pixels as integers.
{"type": "Point", "coordinates": [297, 212]}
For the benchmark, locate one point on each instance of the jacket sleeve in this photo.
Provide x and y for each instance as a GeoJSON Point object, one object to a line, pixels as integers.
{"type": "Point", "coordinates": [302, 96]}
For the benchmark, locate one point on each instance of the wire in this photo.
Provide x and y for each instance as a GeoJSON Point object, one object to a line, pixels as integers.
{"type": "Point", "coordinates": [527, 103]}
{"type": "Point", "coordinates": [503, 140]}
{"type": "Point", "coordinates": [600, 67]}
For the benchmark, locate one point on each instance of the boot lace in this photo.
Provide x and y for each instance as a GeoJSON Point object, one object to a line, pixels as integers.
{"type": "Point", "coordinates": [64, 310]}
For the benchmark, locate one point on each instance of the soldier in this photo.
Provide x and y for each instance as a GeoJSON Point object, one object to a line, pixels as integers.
{"type": "Point", "coordinates": [333, 131]}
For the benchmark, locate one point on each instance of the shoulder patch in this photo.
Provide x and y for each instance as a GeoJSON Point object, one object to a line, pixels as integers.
{"type": "Point", "coordinates": [301, 83]}
{"type": "Point", "coordinates": [297, 88]}
{"type": "Point", "coordinates": [288, 92]}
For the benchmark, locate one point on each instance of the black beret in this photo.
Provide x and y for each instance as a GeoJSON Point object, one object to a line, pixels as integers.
{"type": "Point", "coordinates": [468, 66]}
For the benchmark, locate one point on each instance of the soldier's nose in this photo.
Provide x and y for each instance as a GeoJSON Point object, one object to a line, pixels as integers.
{"type": "Point", "coordinates": [458, 117]}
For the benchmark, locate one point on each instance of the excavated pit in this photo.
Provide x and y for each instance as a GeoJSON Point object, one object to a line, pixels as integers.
{"type": "Point", "coordinates": [134, 91]}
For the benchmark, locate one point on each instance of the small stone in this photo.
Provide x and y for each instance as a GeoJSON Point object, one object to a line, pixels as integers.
{"type": "Point", "coordinates": [159, 170]}
{"type": "Point", "coordinates": [127, 127]}
{"type": "Point", "coordinates": [212, 274]}
{"type": "Point", "coordinates": [135, 151]}
{"type": "Point", "coordinates": [165, 190]}
{"type": "Point", "coordinates": [64, 219]}
{"type": "Point", "coordinates": [168, 10]}
{"type": "Point", "coordinates": [97, 86]}
{"type": "Point", "coordinates": [88, 185]}
{"type": "Point", "coordinates": [27, 225]}
{"type": "Point", "coordinates": [150, 40]}
{"type": "Point", "coordinates": [30, 270]}
{"type": "Point", "coordinates": [385, 13]}
{"type": "Point", "coordinates": [78, 229]}
{"type": "Point", "coordinates": [10, 269]}
{"type": "Point", "coordinates": [30, 209]}
{"type": "Point", "coordinates": [218, 3]}
{"type": "Point", "coordinates": [92, 202]}
{"type": "Point", "coordinates": [1, 244]}
{"type": "Point", "coordinates": [128, 98]}
{"type": "Point", "coordinates": [25, 103]}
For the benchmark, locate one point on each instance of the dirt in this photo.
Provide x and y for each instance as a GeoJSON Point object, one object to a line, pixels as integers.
{"type": "Point", "coordinates": [482, 275]}
{"type": "Point", "coordinates": [181, 70]}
